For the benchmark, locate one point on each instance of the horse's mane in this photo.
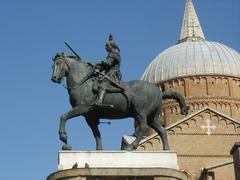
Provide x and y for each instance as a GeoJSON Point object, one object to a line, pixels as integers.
{"type": "Point", "coordinates": [86, 63]}
{"type": "Point", "coordinates": [71, 56]}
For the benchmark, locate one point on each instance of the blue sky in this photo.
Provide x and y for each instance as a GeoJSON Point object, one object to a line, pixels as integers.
{"type": "Point", "coordinates": [32, 32]}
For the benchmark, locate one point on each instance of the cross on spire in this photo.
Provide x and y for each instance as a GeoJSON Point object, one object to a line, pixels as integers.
{"type": "Point", "coordinates": [191, 28]}
{"type": "Point", "coordinates": [208, 127]}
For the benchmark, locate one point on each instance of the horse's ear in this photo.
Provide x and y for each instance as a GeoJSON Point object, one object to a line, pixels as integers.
{"type": "Point", "coordinates": [62, 54]}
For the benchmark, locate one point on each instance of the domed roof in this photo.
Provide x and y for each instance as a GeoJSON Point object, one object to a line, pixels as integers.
{"type": "Point", "coordinates": [193, 58]}
{"type": "Point", "coordinates": [193, 55]}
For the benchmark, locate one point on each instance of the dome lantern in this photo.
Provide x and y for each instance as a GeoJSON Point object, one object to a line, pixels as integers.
{"type": "Point", "coordinates": [191, 27]}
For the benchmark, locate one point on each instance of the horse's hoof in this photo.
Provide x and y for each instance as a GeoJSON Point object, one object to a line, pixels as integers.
{"type": "Point", "coordinates": [166, 148]}
{"type": "Point", "coordinates": [130, 148]}
{"type": "Point", "coordinates": [66, 147]}
{"type": "Point", "coordinates": [99, 149]}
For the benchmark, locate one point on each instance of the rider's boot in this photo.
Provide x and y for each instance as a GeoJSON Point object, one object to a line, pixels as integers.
{"type": "Point", "coordinates": [101, 95]}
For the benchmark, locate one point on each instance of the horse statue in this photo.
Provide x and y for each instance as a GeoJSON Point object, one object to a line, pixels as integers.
{"type": "Point", "coordinates": [139, 99]}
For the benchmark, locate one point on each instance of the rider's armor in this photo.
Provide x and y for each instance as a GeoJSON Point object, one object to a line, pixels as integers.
{"type": "Point", "coordinates": [111, 67]}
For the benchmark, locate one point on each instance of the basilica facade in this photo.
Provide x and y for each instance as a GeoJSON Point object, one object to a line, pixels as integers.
{"type": "Point", "coordinates": [208, 75]}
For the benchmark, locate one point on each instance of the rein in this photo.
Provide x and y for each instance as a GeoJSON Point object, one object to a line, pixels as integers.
{"type": "Point", "coordinates": [81, 82]}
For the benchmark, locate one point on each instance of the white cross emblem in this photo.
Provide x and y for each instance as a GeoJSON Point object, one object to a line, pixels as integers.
{"type": "Point", "coordinates": [208, 127]}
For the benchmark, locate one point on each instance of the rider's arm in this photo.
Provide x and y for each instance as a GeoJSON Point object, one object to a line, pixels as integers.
{"type": "Point", "coordinates": [99, 66]}
{"type": "Point", "coordinates": [111, 60]}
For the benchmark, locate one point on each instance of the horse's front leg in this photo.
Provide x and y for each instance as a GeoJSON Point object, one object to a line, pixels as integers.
{"type": "Point", "coordinates": [76, 111]}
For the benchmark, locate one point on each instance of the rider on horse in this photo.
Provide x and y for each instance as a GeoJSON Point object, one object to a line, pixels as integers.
{"type": "Point", "coordinates": [111, 66]}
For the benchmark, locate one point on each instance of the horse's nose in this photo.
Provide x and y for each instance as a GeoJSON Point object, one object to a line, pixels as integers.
{"type": "Point", "coordinates": [54, 78]}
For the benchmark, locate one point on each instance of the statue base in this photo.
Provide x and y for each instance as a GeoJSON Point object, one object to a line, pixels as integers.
{"type": "Point", "coordinates": [117, 165]}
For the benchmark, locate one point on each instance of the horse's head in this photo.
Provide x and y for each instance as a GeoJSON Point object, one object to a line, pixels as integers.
{"type": "Point", "coordinates": [60, 67]}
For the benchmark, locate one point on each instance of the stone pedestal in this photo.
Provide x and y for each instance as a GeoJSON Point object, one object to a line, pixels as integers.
{"type": "Point", "coordinates": [117, 165]}
{"type": "Point", "coordinates": [235, 151]}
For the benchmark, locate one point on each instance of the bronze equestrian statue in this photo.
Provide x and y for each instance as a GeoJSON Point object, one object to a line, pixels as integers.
{"type": "Point", "coordinates": [137, 99]}
{"type": "Point", "coordinates": [111, 66]}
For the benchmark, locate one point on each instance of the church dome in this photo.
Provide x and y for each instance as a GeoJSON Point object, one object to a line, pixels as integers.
{"type": "Point", "coordinates": [193, 55]}
{"type": "Point", "coordinates": [193, 58]}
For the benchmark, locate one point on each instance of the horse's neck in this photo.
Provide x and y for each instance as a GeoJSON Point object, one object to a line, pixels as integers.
{"type": "Point", "coordinates": [79, 89]}
{"type": "Point", "coordinates": [76, 73]}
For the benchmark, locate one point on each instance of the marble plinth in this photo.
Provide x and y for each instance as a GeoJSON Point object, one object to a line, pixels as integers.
{"type": "Point", "coordinates": [117, 165]}
{"type": "Point", "coordinates": [119, 159]}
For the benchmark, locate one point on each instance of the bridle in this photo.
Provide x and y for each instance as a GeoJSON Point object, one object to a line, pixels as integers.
{"type": "Point", "coordinates": [83, 80]}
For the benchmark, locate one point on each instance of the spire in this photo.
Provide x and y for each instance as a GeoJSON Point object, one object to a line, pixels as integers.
{"type": "Point", "coordinates": [191, 28]}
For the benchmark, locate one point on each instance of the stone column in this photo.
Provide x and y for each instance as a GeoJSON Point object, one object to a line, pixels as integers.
{"type": "Point", "coordinates": [235, 151]}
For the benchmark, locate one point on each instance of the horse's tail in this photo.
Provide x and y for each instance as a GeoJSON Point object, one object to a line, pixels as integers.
{"type": "Point", "coordinates": [170, 94]}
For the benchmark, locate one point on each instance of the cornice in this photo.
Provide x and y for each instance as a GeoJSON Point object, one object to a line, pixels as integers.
{"type": "Point", "coordinates": [204, 98]}
{"type": "Point", "coordinates": [197, 76]}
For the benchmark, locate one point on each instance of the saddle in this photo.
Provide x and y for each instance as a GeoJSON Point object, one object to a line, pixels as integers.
{"type": "Point", "coordinates": [108, 86]}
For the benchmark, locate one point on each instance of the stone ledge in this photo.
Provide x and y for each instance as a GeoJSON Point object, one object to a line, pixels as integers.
{"type": "Point", "coordinates": [118, 172]}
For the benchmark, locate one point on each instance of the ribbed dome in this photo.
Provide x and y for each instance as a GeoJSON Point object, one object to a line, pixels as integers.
{"type": "Point", "coordinates": [193, 55]}
{"type": "Point", "coordinates": [193, 58]}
